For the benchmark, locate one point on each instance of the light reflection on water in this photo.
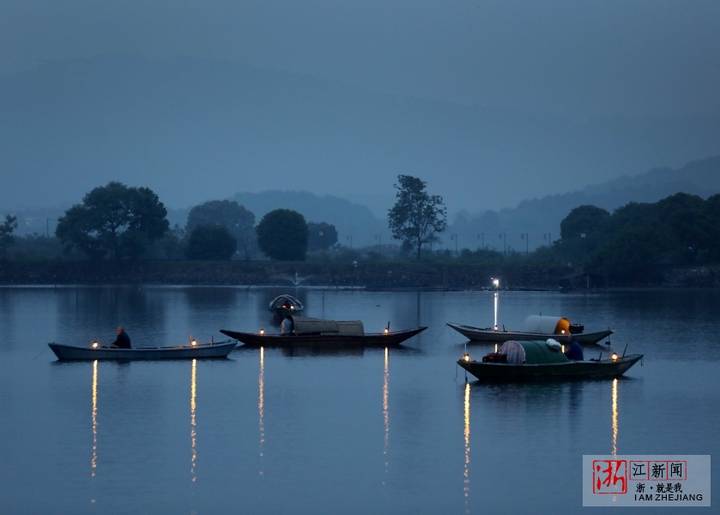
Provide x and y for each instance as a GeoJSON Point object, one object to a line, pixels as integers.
{"type": "Point", "coordinates": [466, 441]}
{"type": "Point", "coordinates": [386, 412]}
{"type": "Point", "coordinates": [94, 419]}
{"type": "Point", "coordinates": [614, 424]}
{"type": "Point", "coordinates": [261, 409]}
{"type": "Point", "coordinates": [193, 421]}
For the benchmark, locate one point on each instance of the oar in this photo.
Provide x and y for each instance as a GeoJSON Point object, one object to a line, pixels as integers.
{"type": "Point", "coordinates": [38, 354]}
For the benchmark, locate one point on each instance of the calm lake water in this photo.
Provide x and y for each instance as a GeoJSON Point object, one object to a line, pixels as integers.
{"type": "Point", "coordinates": [269, 431]}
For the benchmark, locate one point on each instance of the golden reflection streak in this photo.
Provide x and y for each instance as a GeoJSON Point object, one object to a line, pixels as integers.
{"type": "Point", "coordinates": [466, 434]}
{"type": "Point", "coordinates": [193, 421]}
{"type": "Point", "coordinates": [386, 409]}
{"type": "Point", "coordinates": [261, 407]}
{"type": "Point", "coordinates": [614, 416]}
{"type": "Point", "coordinates": [93, 417]}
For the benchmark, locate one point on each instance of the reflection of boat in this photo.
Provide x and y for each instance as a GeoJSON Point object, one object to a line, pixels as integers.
{"type": "Point", "coordinates": [536, 328]}
{"type": "Point", "coordinates": [541, 361]}
{"type": "Point", "coordinates": [200, 351]}
{"type": "Point", "coordinates": [310, 332]}
{"type": "Point", "coordinates": [285, 304]}
{"type": "Point", "coordinates": [298, 351]}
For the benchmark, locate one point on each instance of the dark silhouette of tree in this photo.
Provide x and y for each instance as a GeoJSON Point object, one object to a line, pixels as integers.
{"type": "Point", "coordinates": [417, 217]}
{"type": "Point", "coordinates": [234, 217]}
{"type": "Point", "coordinates": [583, 222]}
{"type": "Point", "coordinates": [114, 220]}
{"type": "Point", "coordinates": [638, 241]}
{"type": "Point", "coordinates": [7, 228]}
{"type": "Point", "coordinates": [210, 242]}
{"type": "Point", "coordinates": [283, 235]}
{"type": "Point", "coordinates": [321, 236]}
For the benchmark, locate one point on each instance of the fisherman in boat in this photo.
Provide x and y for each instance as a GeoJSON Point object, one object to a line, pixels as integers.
{"type": "Point", "coordinates": [574, 351]}
{"type": "Point", "coordinates": [287, 326]}
{"type": "Point", "coordinates": [122, 341]}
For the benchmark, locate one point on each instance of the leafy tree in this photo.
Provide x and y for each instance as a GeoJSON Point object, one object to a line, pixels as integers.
{"type": "Point", "coordinates": [321, 236]}
{"type": "Point", "coordinates": [7, 228]}
{"type": "Point", "coordinates": [628, 256]}
{"type": "Point", "coordinates": [228, 213]}
{"type": "Point", "coordinates": [114, 220]}
{"type": "Point", "coordinates": [417, 217]}
{"type": "Point", "coordinates": [210, 242]}
{"type": "Point", "coordinates": [687, 227]}
{"type": "Point", "coordinates": [283, 235]}
{"type": "Point", "coordinates": [583, 222]}
{"type": "Point", "coordinates": [712, 214]}
{"type": "Point", "coordinates": [639, 240]}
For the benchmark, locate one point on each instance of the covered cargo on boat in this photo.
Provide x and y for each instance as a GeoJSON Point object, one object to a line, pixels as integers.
{"type": "Point", "coordinates": [544, 324]}
{"type": "Point", "coordinates": [305, 325]}
{"type": "Point", "coordinates": [541, 352]}
{"type": "Point", "coordinates": [514, 352]}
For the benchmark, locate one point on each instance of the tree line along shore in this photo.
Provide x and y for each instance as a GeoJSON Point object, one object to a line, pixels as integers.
{"type": "Point", "coordinates": [120, 234]}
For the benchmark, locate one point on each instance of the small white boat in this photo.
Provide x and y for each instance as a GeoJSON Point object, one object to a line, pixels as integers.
{"type": "Point", "coordinates": [95, 351]}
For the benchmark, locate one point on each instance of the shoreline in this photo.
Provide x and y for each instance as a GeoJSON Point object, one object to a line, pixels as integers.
{"type": "Point", "coordinates": [371, 276]}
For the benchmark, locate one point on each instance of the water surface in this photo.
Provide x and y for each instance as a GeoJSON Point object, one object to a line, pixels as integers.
{"type": "Point", "coordinates": [272, 431]}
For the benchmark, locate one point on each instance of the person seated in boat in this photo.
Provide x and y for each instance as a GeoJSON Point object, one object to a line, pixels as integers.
{"type": "Point", "coordinates": [122, 341]}
{"type": "Point", "coordinates": [574, 352]}
{"type": "Point", "coordinates": [287, 326]}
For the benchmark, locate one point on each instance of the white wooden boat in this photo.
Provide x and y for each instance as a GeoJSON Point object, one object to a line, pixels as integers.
{"type": "Point", "coordinates": [536, 328]}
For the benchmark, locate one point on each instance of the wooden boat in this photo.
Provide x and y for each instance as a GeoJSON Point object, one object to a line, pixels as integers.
{"type": "Point", "coordinates": [601, 369]}
{"type": "Point", "coordinates": [536, 328]}
{"type": "Point", "coordinates": [200, 351]}
{"type": "Point", "coordinates": [384, 339]}
{"type": "Point", "coordinates": [538, 361]}
{"type": "Point", "coordinates": [491, 335]}
{"type": "Point", "coordinates": [285, 304]}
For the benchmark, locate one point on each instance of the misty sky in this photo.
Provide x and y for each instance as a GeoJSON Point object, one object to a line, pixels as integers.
{"type": "Point", "coordinates": [584, 61]}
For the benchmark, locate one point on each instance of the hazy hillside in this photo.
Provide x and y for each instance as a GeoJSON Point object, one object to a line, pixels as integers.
{"type": "Point", "coordinates": [543, 215]}
{"type": "Point", "coordinates": [356, 224]}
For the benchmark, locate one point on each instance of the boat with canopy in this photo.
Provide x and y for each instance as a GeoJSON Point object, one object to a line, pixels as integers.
{"type": "Point", "coordinates": [313, 331]}
{"type": "Point", "coordinates": [544, 360]}
{"type": "Point", "coordinates": [536, 327]}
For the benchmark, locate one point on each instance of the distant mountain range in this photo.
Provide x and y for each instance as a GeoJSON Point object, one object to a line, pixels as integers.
{"type": "Point", "coordinates": [540, 218]}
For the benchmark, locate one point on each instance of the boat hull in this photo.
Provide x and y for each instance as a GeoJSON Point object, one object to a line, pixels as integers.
{"type": "Point", "coordinates": [490, 336]}
{"type": "Point", "coordinates": [499, 372]}
{"type": "Point", "coordinates": [391, 339]}
{"type": "Point", "coordinates": [205, 351]}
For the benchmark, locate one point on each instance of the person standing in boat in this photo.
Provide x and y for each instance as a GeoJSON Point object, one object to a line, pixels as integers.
{"type": "Point", "coordinates": [122, 341]}
{"type": "Point", "coordinates": [287, 326]}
